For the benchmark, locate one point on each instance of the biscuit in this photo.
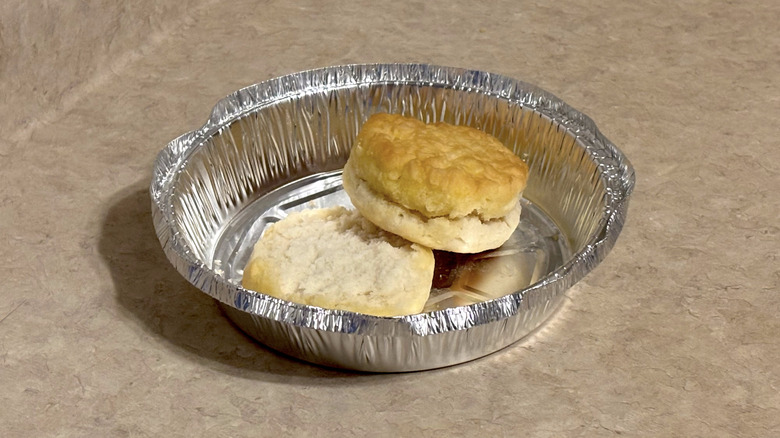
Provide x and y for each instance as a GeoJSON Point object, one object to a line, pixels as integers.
{"type": "Point", "coordinates": [336, 259]}
{"type": "Point", "coordinates": [448, 187]}
{"type": "Point", "coordinates": [466, 234]}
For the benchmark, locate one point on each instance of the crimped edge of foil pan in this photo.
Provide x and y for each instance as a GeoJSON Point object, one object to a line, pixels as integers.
{"type": "Point", "coordinates": [616, 172]}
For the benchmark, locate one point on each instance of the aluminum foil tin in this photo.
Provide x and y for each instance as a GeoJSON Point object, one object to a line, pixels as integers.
{"type": "Point", "coordinates": [279, 146]}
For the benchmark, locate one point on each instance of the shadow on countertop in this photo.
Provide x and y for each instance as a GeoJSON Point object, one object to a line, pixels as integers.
{"type": "Point", "coordinates": [169, 307]}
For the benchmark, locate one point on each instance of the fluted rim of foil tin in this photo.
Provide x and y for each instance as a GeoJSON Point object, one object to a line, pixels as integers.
{"type": "Point", "coordinates": [616, 173]}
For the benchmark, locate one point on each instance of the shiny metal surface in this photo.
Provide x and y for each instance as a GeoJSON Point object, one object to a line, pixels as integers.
{"type": "Point", "coordinates": [278, 146]}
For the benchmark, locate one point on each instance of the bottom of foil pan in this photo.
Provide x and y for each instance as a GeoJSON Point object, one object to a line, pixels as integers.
{"type": "Point", "coordinates": [534, 250]}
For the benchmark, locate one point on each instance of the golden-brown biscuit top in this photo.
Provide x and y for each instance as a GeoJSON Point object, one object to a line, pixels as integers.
{"type": "Point", "coordinates": [438, 169]}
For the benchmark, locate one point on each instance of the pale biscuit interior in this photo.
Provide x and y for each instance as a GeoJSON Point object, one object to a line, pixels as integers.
{"type": "Point", "coordinates": [336, 259]}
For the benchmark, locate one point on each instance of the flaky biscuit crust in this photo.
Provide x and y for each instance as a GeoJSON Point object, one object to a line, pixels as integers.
{"type": "Point", "coordinates": [467, 234]}
{"type": "Point", "coordinates": [438, 169]}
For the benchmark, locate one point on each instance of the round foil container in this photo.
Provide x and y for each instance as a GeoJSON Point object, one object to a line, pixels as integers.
{"type": "Point", "coordinates": [279, 146]}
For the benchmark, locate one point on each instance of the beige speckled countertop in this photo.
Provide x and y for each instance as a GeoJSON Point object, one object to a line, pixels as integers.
{"type": "Point", "coordinates": [677, 333]}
